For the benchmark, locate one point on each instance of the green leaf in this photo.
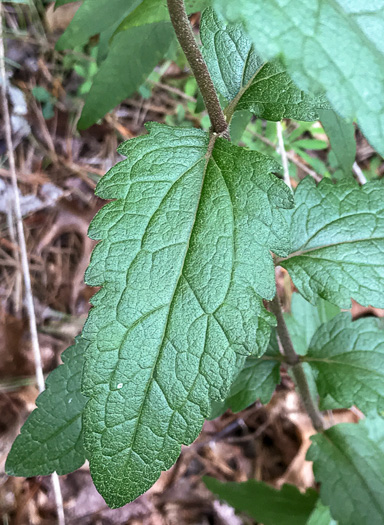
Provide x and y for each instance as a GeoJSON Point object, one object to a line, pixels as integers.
{"type": "Point", "coordinates": [91, 20]}
{"type": "Point", "coordinates": [131, 58]}
{"type": "Point", "coordinates": [151, 11]}
{"type": "Point", "coordinates": [321, 516]}
{"type": "Point", "coordinates": [265, 504]}
{"type": "Point", "coordinates": [184, 263]}
{"type": "Point", "coordinates": [238, 123]}
{"type": "Point", "coordinates": [374, 427]}
{"type": "Point", "coordinates": [257, 379]}
{"type": "Point", "coordinates": [330, 46]}
{"type": "Point", "coordinates": [41, 94]}
{"type": "Point", "coordinates": [240, 75]}
{"type": "Point", "coordinates": [311, 144]}
{"type": "Point", "coordinates": [338, 242]}
{"type": "Point", "coordinates": [342, 137]}
{"type": "Point", "coordinates": [348, 358]}
{"type": "Point", "coordinates": [305, 319]}
{"type": "Point", "coordinates": [59, 3]}
{"type": "Point", "coordinates": [350, 467]}
{"type": "Point", "coordinates": [51, 438]}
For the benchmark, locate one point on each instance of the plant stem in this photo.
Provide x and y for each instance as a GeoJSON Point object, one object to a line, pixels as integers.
{"type": "Point", "coordinates": [293, 360]}
{"type": "Point", "coordinates": [199, 68]}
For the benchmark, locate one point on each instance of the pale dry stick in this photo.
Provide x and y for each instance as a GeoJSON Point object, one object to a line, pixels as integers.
{"type": "Point", "coordinates": [12, 234]}
{"type": "Point", "coordinates": [283, 154]}
{"type": "Point", "coordinates": [359, 173]}
{"type": "Point", "coordinates": [290, 155]}
{"type": "Point", "coordinates": [24, 256]}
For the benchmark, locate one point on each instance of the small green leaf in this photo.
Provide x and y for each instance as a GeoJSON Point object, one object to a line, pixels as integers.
{"type": "Point", "coordinates": [338, 242]}
{"type": "Point", "coordinates": [91, 20]}
{"type": "Point", "coordinates": [305, 319]}
{"type": "Point", "coordinates": [321, 516]}
{"type": "Point", "coordinates": [348, 358]}
{"type": "Point", "coordinates": [342, 138]}
{"type": "Point", "coordinates": [51, 438]}
{"type": "Point", "coordinates": [265, 504]}
{"type": "Point", "coordinates": [59, 3]}
{"type": "Point", "coordinates": [375, 429]}
{"type": "Point", "coordinates": [330, 46]}
{"type": "Point", "coordinates": [257, 379]}
{"type": "Point", "coordinates": [240, 75]}
{"type": "Point", "coordinates": [131, 58]}
{"type": "Point", "coordinates": [41, 94]}
{"type": "Point", "coordinates": [313, 144]}
{"type": "Point", "coordinates": [238, 123]}
{"type": "Point", "coordinates": [184, 263]}
{"type": "Point", "coordinates": [350, 467]}
{"type": "Point", "coordinates": [151, 11]}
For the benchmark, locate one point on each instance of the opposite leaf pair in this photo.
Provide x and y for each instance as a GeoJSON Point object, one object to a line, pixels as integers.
{"type": "Point", "coordinates": [348, 461]}
{"type": "Point", "coordinates": [184, 263]}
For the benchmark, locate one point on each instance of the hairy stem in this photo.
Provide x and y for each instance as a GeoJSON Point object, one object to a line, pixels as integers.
{"type": "Point", "coordinates": [199, 68]}
{"type": "Point", "coordinates": [297, 369]}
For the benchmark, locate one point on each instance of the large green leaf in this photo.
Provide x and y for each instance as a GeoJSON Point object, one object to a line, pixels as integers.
{"type": "Point", "coordinates": [350, 467]}
{"type": "Point", "coordinates": [265, 504]}
{"type": "Point", "coordinates": [349, 361]}
{"type": "Point", "coordinates": [51, 438]}
{"type": "Point", "coordinates": [131, 58]}
{"type": "Point", "coordinates": [91, 19]}
{"type": "Point", "coordinates": [184, 262]}
{"type": "Point", "coordinates": [305, 319]}
{"type": "Point", "coordinates": [327, 45]}
{"type": "Point", "coordinates": [342, 138]}
{"type": "Point", "coordinates": [338, 242]}
{"type": "Point", "coordinates": [239, 74]}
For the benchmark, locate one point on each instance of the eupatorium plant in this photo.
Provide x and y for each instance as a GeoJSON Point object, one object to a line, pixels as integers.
{"type": "Point", "coordinates": [186, 261]}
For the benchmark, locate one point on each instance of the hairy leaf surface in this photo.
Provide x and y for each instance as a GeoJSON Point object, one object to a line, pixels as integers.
{"type": "Point", "coordinates": [239, 73]}
{"type": "Point", "coordinates": [265, 504]}
{"type": "Point", "coordinates": [338, 242]}
{"type": "Point", "coordinates": [184, 263]}
{"type": "Point", "coordinates": [327, 45]}
{"type": "Point", "coordinates": [51, 438]}
{"type": "Point", "coordinates": [131, 58]}
{"type": "Point", "coordinates": [350, 467]}
{"type": "Point", "coordinates": [349, 360]}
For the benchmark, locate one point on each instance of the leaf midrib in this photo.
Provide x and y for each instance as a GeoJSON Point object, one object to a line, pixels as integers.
{"type": "Point", "coordinates": [332, 361]}
{"type": "Point", "coordinates": [206, 158]}
{"type": "Point", "coordinates": [304, 253]}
